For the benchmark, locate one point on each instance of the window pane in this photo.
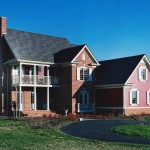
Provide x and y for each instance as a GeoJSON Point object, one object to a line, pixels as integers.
{"type": "Point", "coordinates": [84, 73]}
{"type": "Point", "coordinates": [143, 74]}
{"type": "Point", "coordinates": [134, 97]}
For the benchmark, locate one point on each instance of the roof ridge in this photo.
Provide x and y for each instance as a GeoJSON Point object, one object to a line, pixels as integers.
{"type": "Point", "coordinates": [37, 33]}
{"type": "Point", "coordinates": [122, 58]}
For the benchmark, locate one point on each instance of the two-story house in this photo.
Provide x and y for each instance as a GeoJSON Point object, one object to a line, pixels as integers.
{"type": "Point", "coordinates": [41, 74]}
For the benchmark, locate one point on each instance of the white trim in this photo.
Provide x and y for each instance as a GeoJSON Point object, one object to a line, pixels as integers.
{"type": "Point", "coordinates": [148, 97]}
{"type": "Point", "coordinates": [111, 86]}
{"type": "Point", "coordinates": [90, 74]}
{"type": "Point", "coordinates": [78, 73]}
{"type": "Point", "coordinates": [122, 107]}
{"type": "Point", "coordinates": [85, 46]}
{"type": "Point", "coordinates": [136, 107]}
{"type": "Point", "coordinates": [137, 100]}
{"type": "Point", "coordinates": [36, 62]}
{"type": "Point", "coordinates": [124, 98]}
{"type": "Point", "coordinates": [35, 99]}
{"type": "Point", "coordinates": [140, 69]}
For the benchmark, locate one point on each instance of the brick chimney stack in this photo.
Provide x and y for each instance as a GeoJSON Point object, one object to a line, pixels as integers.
{"type": "Point", "coordinates": [2, 26]}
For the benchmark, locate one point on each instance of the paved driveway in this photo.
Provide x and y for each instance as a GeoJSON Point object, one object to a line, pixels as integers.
{"type": "Point", "coordinates": [101, 130]}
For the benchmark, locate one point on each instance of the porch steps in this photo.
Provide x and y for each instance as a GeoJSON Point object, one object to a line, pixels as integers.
{"type": "Point", "coordinates": [38, 113]}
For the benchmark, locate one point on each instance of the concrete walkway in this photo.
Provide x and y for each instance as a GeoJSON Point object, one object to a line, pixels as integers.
{"type": "Point", "coordinates": [101, 130]}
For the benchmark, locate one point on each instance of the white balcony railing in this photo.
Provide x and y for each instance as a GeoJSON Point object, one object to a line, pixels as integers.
{"type": "Point", "coordinates": [40, 80]}
{"type": "Point", "coordinates": [85, 107]}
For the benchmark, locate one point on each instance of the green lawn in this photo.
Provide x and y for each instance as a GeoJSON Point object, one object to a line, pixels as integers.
{"type": "Point", "coordinates": [135, 130]}
{"type": "Point", "coordinates": [18, 135]}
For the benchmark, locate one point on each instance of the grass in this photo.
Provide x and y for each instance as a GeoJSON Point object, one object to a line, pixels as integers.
{"type": "Point", "coordinates": [140, 130]}
{"type": "Point", "coordinates": [18, 135]}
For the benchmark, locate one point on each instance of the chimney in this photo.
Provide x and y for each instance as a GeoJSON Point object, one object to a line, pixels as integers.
{"type": "Point", "coordinates": [2, 26]}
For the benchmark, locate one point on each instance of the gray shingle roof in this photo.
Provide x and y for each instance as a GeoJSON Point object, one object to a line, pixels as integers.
{"type": "Point", "coordinates": [35, 47]}
{"type": "Point", "coordinates": [116, 71]}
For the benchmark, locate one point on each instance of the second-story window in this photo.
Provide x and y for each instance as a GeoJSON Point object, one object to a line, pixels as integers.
{"type": "Point", "coordinates": [84, 74]}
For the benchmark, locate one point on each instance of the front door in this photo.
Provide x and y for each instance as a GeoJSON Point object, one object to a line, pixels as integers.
{"type": "Point", "coordinates": [84, 98]}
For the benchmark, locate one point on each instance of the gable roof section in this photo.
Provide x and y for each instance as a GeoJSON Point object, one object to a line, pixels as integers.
{"type": "Point", "coordinates": [35, 47]}
{"type": "Point", "coordinates": [116, 71]}
{"type": "Point", "coordinates": [95, 62]}
{"type": "Point", "coordinates": [67, 55]}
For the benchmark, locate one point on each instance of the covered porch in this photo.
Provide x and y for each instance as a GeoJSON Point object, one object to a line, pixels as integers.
{"type": "Point", "coordinates": [29, 100]}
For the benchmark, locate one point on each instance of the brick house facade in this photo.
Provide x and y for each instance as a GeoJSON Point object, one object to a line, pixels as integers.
{"type": "Point", "coordinates": [42, 74]}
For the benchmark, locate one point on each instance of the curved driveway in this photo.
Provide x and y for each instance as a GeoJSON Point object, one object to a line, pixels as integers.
{"type": "Point", "coordinates": [101, 130]}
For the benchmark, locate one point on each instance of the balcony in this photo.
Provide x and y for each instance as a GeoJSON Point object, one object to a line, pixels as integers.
{"type": "Point", "coordinates": [39, 80]}
{"type": "Point", "coordinates": [85, 107]}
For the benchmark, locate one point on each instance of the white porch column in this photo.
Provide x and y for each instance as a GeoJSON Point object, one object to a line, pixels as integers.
{"type": "Point", "coordinates": [20, 73]}
{"type": "Point", "coordinates": [20, 99]}
{"type": "Point", "coordinates": [47, 98]}
{"type": "Point", "coordinates": [35, 75]}
{"type": "Point", "coordinates": [35, 100]}
{"type": "Point", "coordinates": [48, 75]}
{"type": "Point", "coordinates": [35, 97]}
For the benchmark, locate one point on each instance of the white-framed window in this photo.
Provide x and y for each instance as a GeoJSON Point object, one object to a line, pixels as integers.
{"type": "Point", "coordinates": [84, 74]}
{"type": "Point", "coordinates": [83, 56]}
{"type": "Point", "coordinates": [148, 97]}
{"type": "Point", "coordinates": [143, 73]}
{"type": "Point", "coordinates": [134, 97]}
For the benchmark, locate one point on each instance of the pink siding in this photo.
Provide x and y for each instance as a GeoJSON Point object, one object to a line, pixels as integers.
{"type": "Point", "coordinates": [141, 86]}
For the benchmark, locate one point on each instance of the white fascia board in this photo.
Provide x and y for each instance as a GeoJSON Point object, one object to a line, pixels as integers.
{"type": "Point", "coordinates": [35, 62]}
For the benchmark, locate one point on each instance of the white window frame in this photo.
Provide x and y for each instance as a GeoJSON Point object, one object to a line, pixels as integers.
{"type": "Point", "coordinates": [89, 78]}
{"type": "Point", "coordinates": [148, 97]}
{"type": "Point", "coordinates": [131, 100]}
{"type": "Point", "coordinates": [146, 74]}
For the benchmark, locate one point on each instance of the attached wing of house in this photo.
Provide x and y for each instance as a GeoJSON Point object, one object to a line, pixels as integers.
{"type": "Point", "coordinates": [122, 85]}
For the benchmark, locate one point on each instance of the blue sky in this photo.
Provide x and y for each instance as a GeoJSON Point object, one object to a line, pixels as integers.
{"type": "Point", "coordinates": [111, 28]}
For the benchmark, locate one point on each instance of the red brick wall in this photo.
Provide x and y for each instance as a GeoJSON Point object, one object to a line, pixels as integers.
{"type": "Point", "coordinates": [112, 97]}
{"type": "Point", "coordinates": [78, 86]}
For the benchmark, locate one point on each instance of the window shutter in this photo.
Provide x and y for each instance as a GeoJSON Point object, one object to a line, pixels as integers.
{"type": "Point", "coordinates": [78, 73]}
{"type": "Point", "coordinates": [148, 97]}
{"type": "Point", "coordinates": [137, 97]}
{"type": "Point", "coordinates": [130, 97]}
{"type": "Point", "coordinates": [139, 73]}
{"type": "Point", "coordinates": [146, 74]}
{"type": "Point", "coordinates": [90, 74]}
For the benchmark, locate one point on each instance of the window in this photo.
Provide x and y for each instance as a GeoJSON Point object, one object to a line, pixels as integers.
{"type": "Point", "coordinates": [83, 56]}
{"type": "Point", "coordinates": [148, 97]}
{"type": "Point", "coordinates": [142, 74]}
{"type": "Point", "coordinates": [134, 97]}
{"type": "Point", "coordinates": [84, 74]}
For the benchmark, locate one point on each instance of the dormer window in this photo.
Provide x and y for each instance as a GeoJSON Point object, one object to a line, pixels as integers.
{"type": "Point", "coordinates": [142, 73]}
{"type": "Point", "coordinates": [83, 56]}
